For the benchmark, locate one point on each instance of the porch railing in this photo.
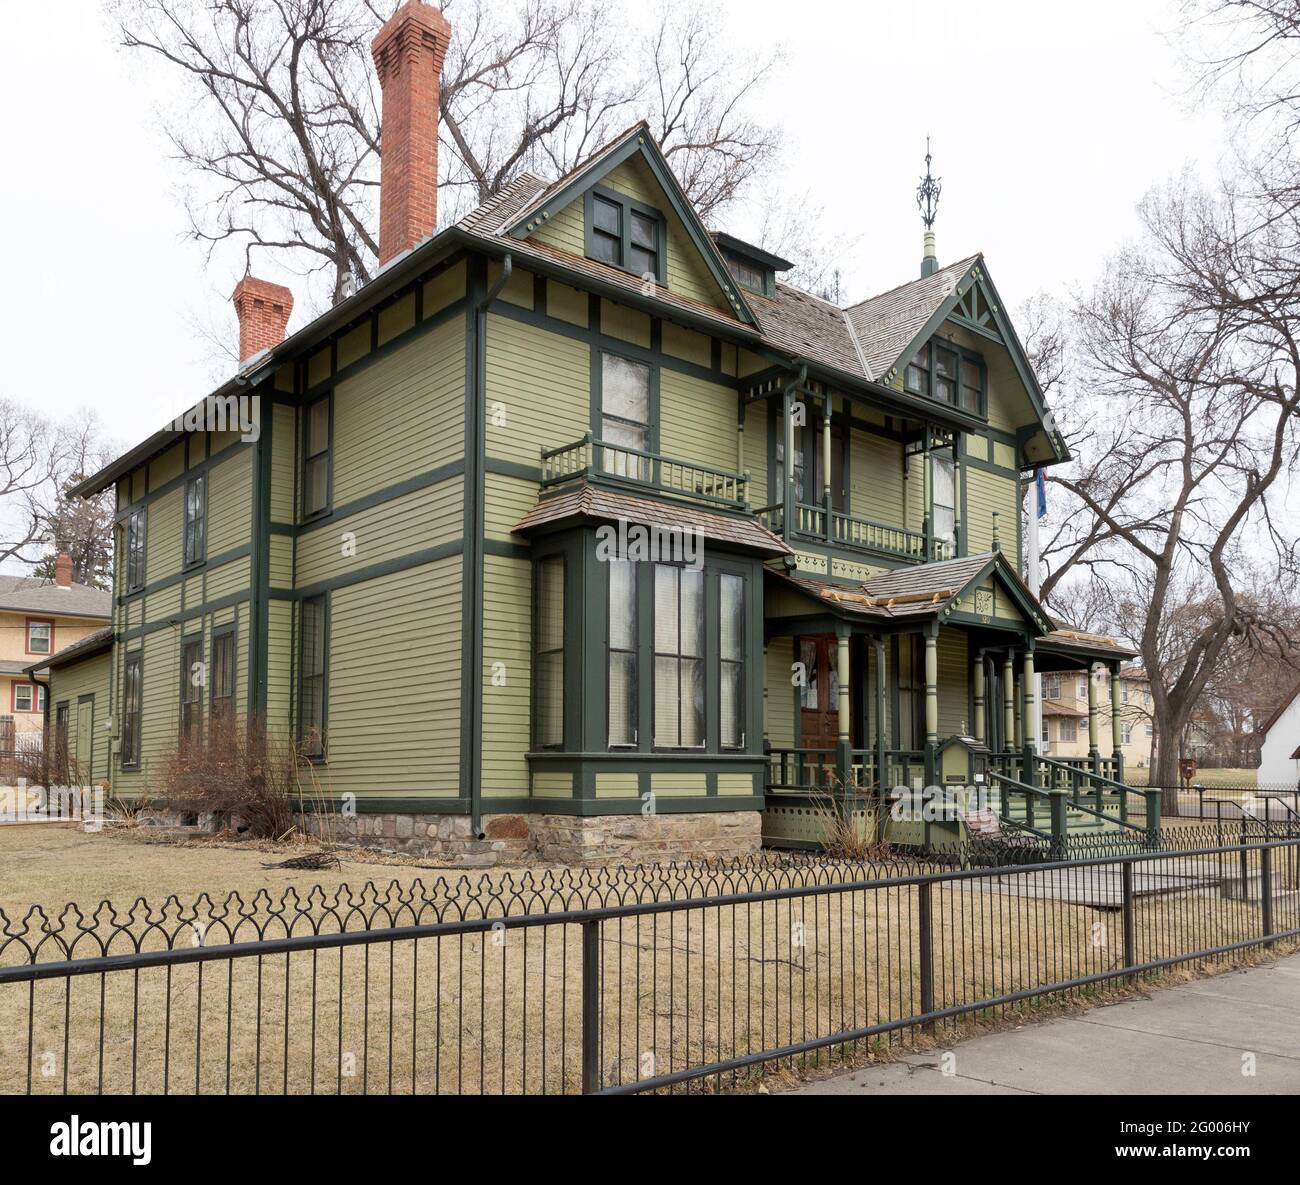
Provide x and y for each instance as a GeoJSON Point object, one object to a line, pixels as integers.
{"type": "Point", "coordinates": [859, 534]}
{"type": "Point", "coordinates": [590, 457]}
{"type": "Point", "coordinates": [815, 769]}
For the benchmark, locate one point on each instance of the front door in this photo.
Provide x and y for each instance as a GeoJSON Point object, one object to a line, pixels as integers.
{"type": "Point", "coordinates": [818, 705]}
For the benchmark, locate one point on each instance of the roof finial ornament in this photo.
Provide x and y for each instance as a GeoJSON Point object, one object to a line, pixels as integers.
{"type": "Point", "coordinates": [927, 198]}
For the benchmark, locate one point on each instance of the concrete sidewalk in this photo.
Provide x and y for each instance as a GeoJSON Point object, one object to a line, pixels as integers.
{"type": "Point", "coordinates": [1190, 1039]}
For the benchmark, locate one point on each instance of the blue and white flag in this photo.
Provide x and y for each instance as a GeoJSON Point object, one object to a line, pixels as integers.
{"type": "Point", "coordinates": [1040, 482]}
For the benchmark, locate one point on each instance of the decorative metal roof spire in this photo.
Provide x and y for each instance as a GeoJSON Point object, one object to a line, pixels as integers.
{"type": "Point", "coordinates": [927, 198]}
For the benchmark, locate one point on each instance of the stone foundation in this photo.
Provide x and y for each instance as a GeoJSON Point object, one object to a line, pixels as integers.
{"type": "Point", "coordinates": [553, 839]}
{"type": "Point", "coordinates": [646, 839]}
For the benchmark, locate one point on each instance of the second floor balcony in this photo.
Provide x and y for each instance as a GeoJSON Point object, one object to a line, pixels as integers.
{"type": "Point", "coordinates": [618, 464]}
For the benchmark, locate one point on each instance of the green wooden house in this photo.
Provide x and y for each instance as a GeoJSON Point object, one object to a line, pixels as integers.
{"type": "Point", "coordinates": [413, 552]}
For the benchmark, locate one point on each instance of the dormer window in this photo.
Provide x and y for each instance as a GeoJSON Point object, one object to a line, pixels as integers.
{"type": "Point", "coordinates": [948, 374]}
{"type": "Point", "coordinates": [625, 234]}
{"type": "Point", "coordinates": [754, 269]}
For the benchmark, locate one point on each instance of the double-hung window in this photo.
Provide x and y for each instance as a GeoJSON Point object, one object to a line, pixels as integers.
{"type": "Point", "coordinates": [24, 697]}
{"type": "Point", "coordinates": [132, 705]}
{"type": "Point", "coordinates": [731, 655]}
{"type": "Point", "coordinates": [193, 680]}
{"type": "Point", "coordinates": [625, 234]}
{"type": "Point", "coordinates": [135, 542]}
{"type": "Point", "coordinates": [548, 677]}
{"type": "Point", "coordinates": [944, 474]}
{"type": "Point", "coordinates": [312, 671]}
{"type": "Point", "coordinates": [221, 677]}
{"type": "Point", "coordinates": [40, 637]}
{"type": "Point", "coordinates": [1069, 727]}
{"type": "Point", "coordinates": [625, 416]}
{"type": "Point", "coordinates": [679, 657]}
{"type": "Point", "coordinates": [798, 462]}
{"type": "Point", "coordinates": [196, 520]}
{"type": "Point", "coordinates": [622, 654]}
{"type": "Point", "coordinates": [947, 374]}
{"type": "Point", "coordinates": [316, 458]}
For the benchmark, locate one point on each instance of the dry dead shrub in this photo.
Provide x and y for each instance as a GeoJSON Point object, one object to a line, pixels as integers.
{"type": "Point", "coordinates": [252, 778]}
{"type": "Point", "coordinates": [850, 829]}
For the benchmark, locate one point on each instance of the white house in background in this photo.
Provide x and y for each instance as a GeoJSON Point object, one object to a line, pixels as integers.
{"type": "Point", "coordinates": [1279, 752]}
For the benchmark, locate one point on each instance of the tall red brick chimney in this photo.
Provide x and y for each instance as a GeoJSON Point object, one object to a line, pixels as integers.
{"type": "Point", "coordinates": [63, 570]}
{"type": "Point", "coordinates": [263, 310]}
{"type": "Point", "coordinates": [408, 53]}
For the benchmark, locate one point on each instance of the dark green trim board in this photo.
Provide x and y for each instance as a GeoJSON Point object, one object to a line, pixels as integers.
{"type": "Point", "coordinates": [203, 468]}
{"type": "Point", "coordinates": [259, 629]}
{"type": "Point", "coordinates": [471, 719]}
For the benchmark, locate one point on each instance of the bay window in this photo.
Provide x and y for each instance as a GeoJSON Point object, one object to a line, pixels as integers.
{"type": "Point", "coordinates": [731, 655]}
{"type": "Point", "coordinates": [622, 655]}
{"type": "Point", "coordinates": [679, 657]}
{"type": "Point", "coordinates": [548, 666]}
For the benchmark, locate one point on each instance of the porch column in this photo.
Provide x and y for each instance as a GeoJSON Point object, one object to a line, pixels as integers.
{"type": "Point", "coordinates": [843, 747]}
{"type": "Point", "coordinates": [882, 741]}
{"type": "Point", "coordinates": [978, 683]}
{"type": "Point", "coordinates": [1117, 722]}
{"type": "Point", "coordinates": [740, 441]}
{"type": "Point", "coordinates": [788, 523]}
{"type": "Point", "coordinates": [1018, 696]}
{"type": "Point", "coordinates": [1030, 716]}
{"type": "Point", "coordinates": [1008, 701]}
{"type": "Point", "coordinates": [1094, 721]}
{"type": "Point", "coordinates": [826, 463]}
{"type": "Point", "coordinates": [931, 703]}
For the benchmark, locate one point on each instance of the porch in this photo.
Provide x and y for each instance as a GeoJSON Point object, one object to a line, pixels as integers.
{"type": "Point", "coordinates": [897, 687]}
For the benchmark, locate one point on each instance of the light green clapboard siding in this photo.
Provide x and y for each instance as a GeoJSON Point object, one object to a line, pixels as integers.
{"type": "Point", "coordinates": [283, 427]}
{"type": "Point", "coordinates": [876, 486]}
{"type": "Point", "coordinates": [779, 724]}
{"type": "Point", "coordinates": [954, 681]}
{"type": "Point", "coordinates": [163, 543]}
{"type": "Point", "coordinates": [697, 420]}
{"type": "Point", "coordinates": [507, 600]}
{"type": "Point", "coordinates": [985, 493]}
{"type": "Point", "coordinates": [224, 581]}
{"type": "Point", "coordinates": [230, 505]}
{"type": "Point", "coordinates": [279, 672]}
{"type": "Point", "coordinates": [686, 271]}
{"type": "Point", "coordinates": [91, 676]}
{"type": "Point", "coordinates": [756, 454]}
{"type": "Point", "coordinates": [422, 519]}
{"type": "Point", "coordinates": [394, 684]}
{"type": "Point", "coordinates": [508, 499]}
{"type": "Point", "coordinates": [531, 407]}
{"type": "Point", "coordinates": [166, 467]}
{"type": "Point", "coordinates": [402, 416]}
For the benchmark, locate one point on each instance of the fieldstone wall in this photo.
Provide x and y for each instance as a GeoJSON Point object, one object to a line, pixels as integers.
{"type": "Point", "coordinates": [448, 836]}
{"type": "Point", "coordinates": [646, 839]}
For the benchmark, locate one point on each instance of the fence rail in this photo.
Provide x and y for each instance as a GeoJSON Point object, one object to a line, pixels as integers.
{"type": "Point", "coordinates": [651, 979]}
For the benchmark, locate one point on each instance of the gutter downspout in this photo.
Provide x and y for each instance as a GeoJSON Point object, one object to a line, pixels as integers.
{"type": "Point", "coordinates": [474, 545]}
{"type": "Point", "coordinates": [45, 738]}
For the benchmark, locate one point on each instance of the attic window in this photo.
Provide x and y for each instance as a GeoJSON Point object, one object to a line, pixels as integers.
{"type": "Point", "coordinates": [625, 234]}
{"type": "Point", "coordinates": [749, 275]}
{"type": "Point", "coordinates": [948, 374]}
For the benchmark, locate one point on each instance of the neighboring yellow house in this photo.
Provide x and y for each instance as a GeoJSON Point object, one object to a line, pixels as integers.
{"type": "Point", "coordinates": [1065, 715]}
{"type": "Point", "coordinates": [39, 618]}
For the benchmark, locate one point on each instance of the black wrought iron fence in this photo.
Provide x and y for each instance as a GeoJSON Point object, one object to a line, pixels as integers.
{"type": "Point", "coordinates": [650, 979]}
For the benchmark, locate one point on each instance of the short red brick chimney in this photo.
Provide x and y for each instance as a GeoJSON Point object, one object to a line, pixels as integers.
{"type": "Point", "coordinates": [63, 570]}
{"type": "Point", "coordinates": [263, 310]}
{"type": "Point", "coordinates": [408, 53]}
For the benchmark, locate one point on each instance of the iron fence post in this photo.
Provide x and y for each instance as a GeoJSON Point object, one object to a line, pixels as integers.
{"type": "Point", "coordinates": [1130, 928]}
{"type": "Point", "coordinates": [1266, 890]}
{"type": "Point", "coordinates": [925, 941]}
{"type": "Point", "coordinates": [1153, 818]}
{"type": "Point", "coordinates": [1060, 828]}
{"type": "Point", "coordinates": [590, 1007]}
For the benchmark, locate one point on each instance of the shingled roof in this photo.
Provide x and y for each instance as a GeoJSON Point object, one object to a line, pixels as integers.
{"type": "Point", "coordinates": [580, 501]}
{"type": "Point", "coordinates": [26, 594]}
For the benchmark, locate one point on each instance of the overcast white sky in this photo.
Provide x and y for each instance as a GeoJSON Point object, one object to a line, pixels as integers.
{"type": "Point", "coordinates": [1049, 123]}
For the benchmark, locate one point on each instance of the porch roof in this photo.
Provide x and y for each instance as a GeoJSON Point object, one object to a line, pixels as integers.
{"type": "Point", "coordinates": [580, 501]}
{"type": "Point", "coordinates": [1070, 650]}
{"type": "Point", "coordinates": [920, 592]}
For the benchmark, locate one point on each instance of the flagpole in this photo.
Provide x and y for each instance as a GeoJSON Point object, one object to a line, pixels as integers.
{"type": "Point", "coordinates": [1035, 585]}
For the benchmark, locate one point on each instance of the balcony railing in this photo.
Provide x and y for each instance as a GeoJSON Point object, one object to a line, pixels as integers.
{"type": "Point", "coordinates": [589, 457]}
{"type": "Point", "coordinates": [861, 534]}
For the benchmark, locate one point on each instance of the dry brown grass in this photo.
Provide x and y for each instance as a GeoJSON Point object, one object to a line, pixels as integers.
{"type": "Point", "coordinates": [501, 1011]}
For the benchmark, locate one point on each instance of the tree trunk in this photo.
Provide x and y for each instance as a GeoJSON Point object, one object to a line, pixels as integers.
{"type": "Point", "coordinates": [1164, 763]}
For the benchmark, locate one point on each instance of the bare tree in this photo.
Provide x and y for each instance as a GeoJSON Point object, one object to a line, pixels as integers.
{"type": "Point", "coordinates": [81, 528]}
{"type": "Point", "coordinates": [281, 139]}
{"type": "Point", "coordinates": [1190, 349]}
